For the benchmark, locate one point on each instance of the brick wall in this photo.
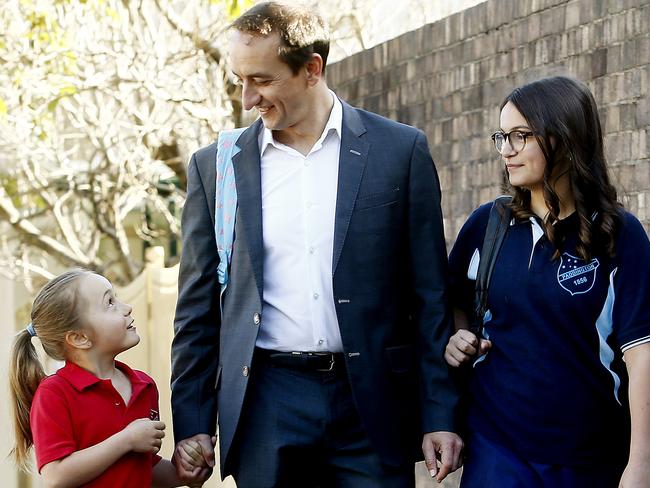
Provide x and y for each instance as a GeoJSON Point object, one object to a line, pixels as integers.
{"type": "Point", "coordinates": [449, 78]}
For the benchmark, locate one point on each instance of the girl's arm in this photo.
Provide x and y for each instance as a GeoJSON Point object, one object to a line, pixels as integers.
{"type": "Point", "coordinates": [142, 435]}
{"type": "Point", "coordinates": [637, 472]}
{"type": "Point", "coordinates": [165, 476]}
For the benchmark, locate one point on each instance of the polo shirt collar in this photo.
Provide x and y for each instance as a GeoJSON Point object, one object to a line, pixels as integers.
{"type": "Point", "coordinates": [334, 122]}
{"type": "Point", "coordinates": [80, 379]}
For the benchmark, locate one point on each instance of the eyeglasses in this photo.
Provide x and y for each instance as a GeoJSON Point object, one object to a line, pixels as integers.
{"type": "Point", "coordinates": [516, 138]}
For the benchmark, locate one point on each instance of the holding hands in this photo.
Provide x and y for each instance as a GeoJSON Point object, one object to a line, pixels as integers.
{"type": "Point", "coordinates": [194, 459]}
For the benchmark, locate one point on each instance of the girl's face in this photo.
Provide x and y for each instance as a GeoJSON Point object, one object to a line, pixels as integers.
{"type": "Point", "coordinates": [106, 320]}
{"type": "Point", "coordinates": [525, 167]}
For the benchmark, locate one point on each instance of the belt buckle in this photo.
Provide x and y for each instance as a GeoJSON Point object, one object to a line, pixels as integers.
{"type": "Point", "coordinates": [331, 366]}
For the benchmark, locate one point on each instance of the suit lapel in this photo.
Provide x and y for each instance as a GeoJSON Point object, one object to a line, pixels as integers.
{"type": "Point", "coordinates": [246, 165]}
{"type": "Point", "coordinates": [352, 162]}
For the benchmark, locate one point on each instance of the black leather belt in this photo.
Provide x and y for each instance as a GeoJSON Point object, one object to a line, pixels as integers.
{"type": "Point", "coordinates": [303, 361]}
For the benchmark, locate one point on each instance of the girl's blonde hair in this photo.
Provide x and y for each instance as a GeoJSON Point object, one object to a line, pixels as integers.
{"type": "Point", "coordinates": [55, 312]}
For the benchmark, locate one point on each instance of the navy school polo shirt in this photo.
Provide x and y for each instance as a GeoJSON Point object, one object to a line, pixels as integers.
{"type": "Point", "coordinates": [553, 387]}
{"type": "Point", "coordinates": [73, 409]}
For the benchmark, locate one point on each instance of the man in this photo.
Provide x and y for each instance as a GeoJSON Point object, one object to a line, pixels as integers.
{"type": "Point", "coordinates": [323, 359]}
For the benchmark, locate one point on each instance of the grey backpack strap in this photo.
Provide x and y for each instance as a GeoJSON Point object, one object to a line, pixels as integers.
{"type": "Point", "coordinates": [495, 232]}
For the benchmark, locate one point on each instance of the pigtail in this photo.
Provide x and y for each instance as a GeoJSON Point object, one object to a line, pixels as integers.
{"type": "Point", "coordinates": [55, 312]}
{"type": "Point", "coordinates": [25, 374]}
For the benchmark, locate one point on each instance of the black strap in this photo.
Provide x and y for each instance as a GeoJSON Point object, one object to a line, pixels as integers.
{"type": "Point", "coordinates": [497, 227]}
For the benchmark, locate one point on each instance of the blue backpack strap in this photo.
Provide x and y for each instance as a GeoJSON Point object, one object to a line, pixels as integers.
{"type": "Point", "coordinates": [225, 201]}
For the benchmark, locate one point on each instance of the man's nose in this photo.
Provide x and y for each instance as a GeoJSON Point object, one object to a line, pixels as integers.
{"type": "Point", "coordinates": [250, 95]}
{"type": "Point", "coordinates": [127, 309]}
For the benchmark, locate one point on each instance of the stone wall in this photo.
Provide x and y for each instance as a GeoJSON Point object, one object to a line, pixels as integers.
{"type": "Point", "coordinates": [448, 78]}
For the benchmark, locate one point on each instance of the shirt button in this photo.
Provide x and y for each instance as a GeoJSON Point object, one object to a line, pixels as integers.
{"type": "Point", "coordinates": [257, 318]}
{"type": "Point", "coordinates": [320, 342]}
{"type": "Point", "coordinates": [245, 371]}
{"type": "Point", "coordinates": [311, 250]}
{"type": "Point", "coordinates": [117, 404]}
{"type": "Point", "coordinates": [315, 295]}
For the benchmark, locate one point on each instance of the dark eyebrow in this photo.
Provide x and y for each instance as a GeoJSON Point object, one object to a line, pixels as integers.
{"type": "Point", "coordinates": [255, 75]}
{"type": "Point", "coordinates": [519, 128]}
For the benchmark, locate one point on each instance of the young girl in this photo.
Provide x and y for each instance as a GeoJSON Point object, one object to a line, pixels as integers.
{"type": "Point", "coordinates": [561, 393]}
{"type": "Point", "coordinates": [95, 422]}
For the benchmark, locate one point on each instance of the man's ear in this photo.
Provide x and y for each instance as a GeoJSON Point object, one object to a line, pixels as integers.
{"type": "Point", "coordinates": [314, 68]}
{"type": "Point", "coordinates": [78, 339]}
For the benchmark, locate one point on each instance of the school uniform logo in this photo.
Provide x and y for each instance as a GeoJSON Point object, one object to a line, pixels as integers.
{"type": "Point", "coordinates": [575, 275]}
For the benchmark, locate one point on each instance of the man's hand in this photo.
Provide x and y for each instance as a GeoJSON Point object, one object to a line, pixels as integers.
{"type": "Point", "coordinates": [194, 458]}
{"type": "Point", "coordinates": [444, 447]}
{"type": "Point", "coordinates": [464, 346]}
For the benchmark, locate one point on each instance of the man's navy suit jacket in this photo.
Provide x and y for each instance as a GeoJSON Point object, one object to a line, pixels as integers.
{"type": "Point", "coordinates": [389, 280]}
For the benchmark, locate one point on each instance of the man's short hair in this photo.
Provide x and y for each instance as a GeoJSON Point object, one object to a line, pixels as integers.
{"type": "Point", "coordinates": [302, 31]}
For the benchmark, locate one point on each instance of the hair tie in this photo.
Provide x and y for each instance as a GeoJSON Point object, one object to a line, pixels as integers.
{"type": "Point", "coordinates": [30, 329]}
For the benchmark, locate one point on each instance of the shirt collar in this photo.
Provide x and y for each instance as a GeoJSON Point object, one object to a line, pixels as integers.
{"type": "Point", "coordinates": [80, 379]}
{"type": "Point", "coordinates": [334, 122]}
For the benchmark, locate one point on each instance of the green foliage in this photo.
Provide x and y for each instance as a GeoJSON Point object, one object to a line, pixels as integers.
{"type": "Point", "coordinates": [54, 60]}
{"type": "Point", "coordinates": [9, 184]}
{"type": "Point", "coordinates": [234, 7]}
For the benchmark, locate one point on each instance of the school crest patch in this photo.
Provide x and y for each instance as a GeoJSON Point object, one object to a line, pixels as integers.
{"type": "Point", "coordinates": [575, 275]}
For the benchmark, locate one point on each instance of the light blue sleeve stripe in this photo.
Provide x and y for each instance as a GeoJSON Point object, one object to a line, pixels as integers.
{"type": "Point", "coordinates": [605, 326]}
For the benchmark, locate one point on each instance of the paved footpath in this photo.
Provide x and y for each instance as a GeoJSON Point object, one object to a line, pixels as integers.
{"type": "Point", "coordinates": [423, 480]}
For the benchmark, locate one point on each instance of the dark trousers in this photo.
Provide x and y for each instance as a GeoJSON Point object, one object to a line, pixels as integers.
{"type": "Point", "coordinates": [301, 429]}
{"type": "Point", "coordinates": [490, 465]}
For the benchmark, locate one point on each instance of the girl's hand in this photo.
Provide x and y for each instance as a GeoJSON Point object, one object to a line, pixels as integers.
{"type": "Point", "coordinates": [463, 347]}
{"type": "Point", "coordinates": [144, 435]}
{"type": "Point", "coordinates": [191, 452]}
{"type": "Point", "coordinates": [636, 475]}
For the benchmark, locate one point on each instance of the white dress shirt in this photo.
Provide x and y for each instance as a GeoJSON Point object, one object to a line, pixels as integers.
{"type": "Point", "coordinates": [298, 210]}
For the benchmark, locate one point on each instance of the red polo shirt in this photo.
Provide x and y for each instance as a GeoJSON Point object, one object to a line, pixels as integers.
{"type": "Point", "coordinates": [73, 410]}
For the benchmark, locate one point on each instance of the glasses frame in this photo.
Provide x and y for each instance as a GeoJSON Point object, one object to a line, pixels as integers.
{"type": "Point", "coordinates": [506, 139]}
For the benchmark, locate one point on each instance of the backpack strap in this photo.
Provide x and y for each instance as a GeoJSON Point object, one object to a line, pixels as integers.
{"type": "Point", "coordinates": [225, 201]}
{"type": "Point", "coordinates": [497, 226]}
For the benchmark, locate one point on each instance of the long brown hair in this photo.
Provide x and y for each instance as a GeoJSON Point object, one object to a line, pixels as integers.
{"type": "Point", "coordinates": [55, 312]}
{"type": "Point", "coordinates": [562, 113]}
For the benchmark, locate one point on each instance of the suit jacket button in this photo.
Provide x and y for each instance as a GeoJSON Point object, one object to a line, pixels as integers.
{"type": "Point", "coordinates": [244, 371]}
{"type": "Point", "coordinates": [257, 318]}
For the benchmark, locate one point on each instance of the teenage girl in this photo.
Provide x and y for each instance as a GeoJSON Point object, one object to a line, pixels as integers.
{"type": "Point", "coordinates": [560, 388]}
